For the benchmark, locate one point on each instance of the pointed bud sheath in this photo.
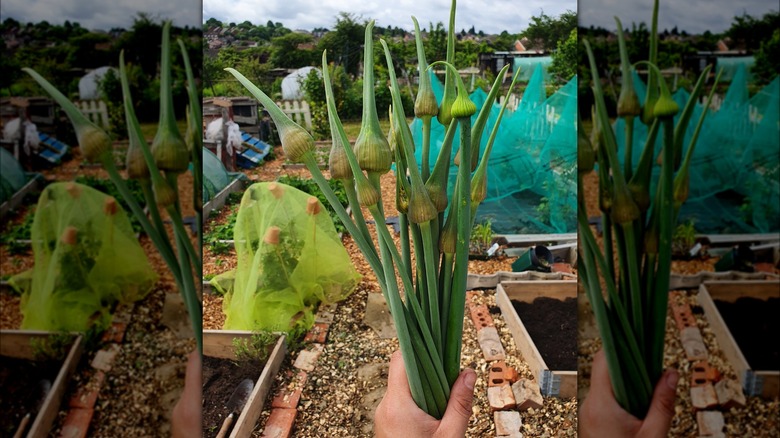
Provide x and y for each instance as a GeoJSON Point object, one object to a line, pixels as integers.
{"type": "Point", "coordinates": [425, 103]}
{"type": "Point", "coordinates": [312, 206]}
{"type": "Point", "coordinates": [271, 236]}
{"type": "Point", "coordinates": [366, 193]}
{"type": "Point", "coordinates": [681, 188]}
{"type": "Point", "coordinates": [93, 141]}
{"type": "Point", "coordinates": [371, 147]}
{"type": "Point", "coordinates": [479, 186]}
{"type": "Point", "coordinates": [624, 209]}
{"type": "Point", "coordinates": [337, 162]}
{"type": "Point", "coordinates": [648, 115]}
{"type": "Point", "coordinates": [605, 197]}
{"type": "Point", "coordinates": [449, 238]}
{"type": "Point", "coordinates": [437, 194]}
{"type": "Point", "coordinates": [596, 136]}
{"type": "Point", "coordinates": [168, 148]}
{"type": "Point", "coordinates": [170, 151]}
{"type": "Point", "coordinates": [665, 107]}
{"type": "Point", "coordinates": [163, 193]}
{"type": "Point", "coordinates": [628, 103]}
{"type": "Point", "coordinates": [640, 195]}
{"type": "Point", "coordinates": [276, 190]}
{"type": "Point", "coordinates": [295, 140]}
{"type": "Point", "coordinates": [110, 206]}
{"type": "Point", "coordinates": [421, 209]}
{"type": "Point", "coordinates": [651, 239]}
{"type": "Point", "coordinates": [373, 151]}
{"type": "Point", "coordinates": [69, 236]}
{"type": "Point", "coordinates": [445, 112]}
{"type": "Point", "coordinates": [135, 162]}
{"type": "Point", "coordinates": [401, 195]}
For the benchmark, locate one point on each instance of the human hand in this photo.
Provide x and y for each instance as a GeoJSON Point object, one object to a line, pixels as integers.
{"type": "Point", "coordinates": [601, 415]}
{"type": "Point", "coordinates": [186, 420]}
{"type": "Point", "coordinates": [399, 416]}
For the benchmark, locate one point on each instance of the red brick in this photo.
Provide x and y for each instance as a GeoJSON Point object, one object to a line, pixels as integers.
{"type": "Point", "coordinates": [693, 344]}
{"type": "Point", "coordinates": [507, 422]}
{"type": "Point", "coordinates": [76, 424]}
{"type": "Point", "coordinates": [317, 334]}
{"type": "Point", "coordinates": [104, 358]}
{"type": "Point", "coordinates": [764, 267]}
{"type": "Point", "coordinates": [710, 422]}
{"type": "Point", "coordinates": [289, 396]}
{"type": "Point", "coordinates": [683, 316]}
{"type": "Point", "coordinates": [115, 333]}
{"type": "Point", "coordinates": [702, 373]}
{"type": "Point", "coordinates": [490, 343]}
{"type": "Point", "coordinates": [500, 373]}
{"type": "Point", "coordinates": [704, 397]}
{"type": "Point", "coordinates": [481, 317]}
{"type": "Point", "coordinates": [280, 423]}
{"type": "Point", "coordinates": [87, 395]}
{"type": "Point", "coordinates": [527, 394]}
{"type": "Point", "coordinates": [729, 394]}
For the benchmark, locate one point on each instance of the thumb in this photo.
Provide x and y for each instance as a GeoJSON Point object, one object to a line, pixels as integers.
{"type": "Point", "coordinates": [659, 416]}
{"type": "Point", "coordinates": [456, 417]}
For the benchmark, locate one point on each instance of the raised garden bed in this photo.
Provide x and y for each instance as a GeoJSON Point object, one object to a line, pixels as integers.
{"type": "Point", "coordinates": [743, 316]}
{"type": "Point", "coordinates": [31, 384]}
{"type": "Point", "coordinates": [215, 204]}
{"type": "Point", "coordinates": [217, 389]}
{"type": "Point", "coordinates": [561, 296]}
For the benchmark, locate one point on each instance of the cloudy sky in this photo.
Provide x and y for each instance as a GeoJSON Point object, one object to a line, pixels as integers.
{"type": "Point", "coordinates": [491, 16]}
{"type": "Point", "coordinates": [693, 16]}
{"type": "Point", "coordinates": [101, 14]}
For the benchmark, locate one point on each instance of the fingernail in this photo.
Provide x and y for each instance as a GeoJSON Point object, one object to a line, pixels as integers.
{"type": "Point", "coordinates": [671, 379]}
{"type": "Point", "coordinates": [470, 379]}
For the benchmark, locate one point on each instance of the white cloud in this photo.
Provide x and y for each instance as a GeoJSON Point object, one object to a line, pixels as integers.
{"type": "Point", "coordinates": [491, 17]}
{"type": "Point", "coordinates": [101, 14]}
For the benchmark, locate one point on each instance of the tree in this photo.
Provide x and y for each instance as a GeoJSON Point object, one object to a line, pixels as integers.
{"type": "Point", "coordinates": [749, 32]}
{"type": "Point", "coordinates": [286, 52]}
{"type": "Point", "coordinates": [564, 59]}
{"type": "Point", "coordinates": [546, 31]}
{"type": "Point", "coordinates": [767, 63]}
{"type": "Point", "coordinates": [344, 42]}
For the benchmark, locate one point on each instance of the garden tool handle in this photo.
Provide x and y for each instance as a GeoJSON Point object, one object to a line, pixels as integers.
{"type": "Point", "coordinates": [225, 426]}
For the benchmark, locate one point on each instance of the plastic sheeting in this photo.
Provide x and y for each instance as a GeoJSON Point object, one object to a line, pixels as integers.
{"type": "Point", "coordinates": [87, 259]}
{"type": "Point", "coordinates": [531, 184]}
{"type": "Point", "coordinates": [289, 260]}
{"type": "Point", "coordinates": [735, 168]}
{"type": "Point", "coordinates": [12, 176]}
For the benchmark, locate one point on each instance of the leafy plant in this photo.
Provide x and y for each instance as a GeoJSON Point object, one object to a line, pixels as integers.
{"type": "Point", "coordinates": [220, 233]}
{"type": "Point", "coordinates": [51, 348]}
{"type": "Point", "coordinates": [107, 187]}
{"type": "Point", "coordinates": [256, 348]}
{"type": "Point", "coordinates": [21, 231]}
{"type": "Point", "coordinates": [481, 237]}
{"type": "Point", "coordinates": [683, 239]}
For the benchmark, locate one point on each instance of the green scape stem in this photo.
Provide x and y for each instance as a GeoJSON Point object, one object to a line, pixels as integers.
{"type": "Point", "coordinates": [452, 343]}
{"type": "Point", "coordinates": [195, 116]}
{"type": "Point", "coordinates": [628, 165]}
{"type": "Point", "coordinates": [426, 150]}
{"type": "Point", "coordinates": [446, 276]}
{"type": "Point", "coordinates": [406, 252]}
{"type": "Point", "coordinates": [634, 282]}
{"type": "Point", "coordinates": [174, 211]}
{"type": "Point", "coordinates": [432, 283]}
{"type": "Point", "coordinates": [357, 212]}
{"type": "Point", "coordinates": [155, 213]}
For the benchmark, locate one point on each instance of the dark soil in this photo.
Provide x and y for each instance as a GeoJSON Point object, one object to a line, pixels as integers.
{"type": "Point", "coordinates": [552, 324]}
{"type": "Point", "coordinates": [220, 379]}
{"type": "Point", "coordinates": [25, 384]}
{"type": "Point", "coordinates": [751, 322]}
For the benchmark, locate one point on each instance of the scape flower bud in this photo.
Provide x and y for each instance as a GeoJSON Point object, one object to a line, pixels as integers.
{"type": "Point", "coordinates": [366, 193]}
{"type": "Point", "coordinates": [163, 193]}
{"type": "Point", "coordinates": [421, 209]}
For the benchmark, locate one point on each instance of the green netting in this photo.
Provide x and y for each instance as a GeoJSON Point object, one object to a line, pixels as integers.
{"type": "Point", "coordinates": [732, 64]}
{"type": "Point", "coordinates": [215, 176]}
{"type": "Point", "coordinates": [534, 151]}
{"type": "Point", "coordinates": [734, 169]}
{"type": "Point", "coordinates": [528, 66]}
{"type": "Point", "coordinates": [87, 259]}
{"type": "Point", "coordinates": [12, 176]}
{"type": "Point", "coordinates": [289, 260]}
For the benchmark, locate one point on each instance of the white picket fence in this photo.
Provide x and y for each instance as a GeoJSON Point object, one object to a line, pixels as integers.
{"type": "Point", "coordinates": [298, 110]}
{"type": "Point", "coordinates": [95, 110]}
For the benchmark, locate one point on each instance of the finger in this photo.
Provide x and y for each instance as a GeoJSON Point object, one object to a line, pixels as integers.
{"type": "Point", "coordinates": [659, 416]}
{"type": "Point", "coordinates": [456, 417]}
{"type": "Point", "coordinates": [192, 378]}
{"type": "Point", "coordinates": [599, 373]}
{"type": "Point", "coordinates": [397, 382]}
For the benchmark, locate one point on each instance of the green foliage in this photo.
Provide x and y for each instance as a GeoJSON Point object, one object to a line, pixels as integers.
{"type": "Point", "coordinates": [279, 261]}
{"type": "Point", "coordinates": [221, 232]}
{"type": "Point", "coordinates": [767, 58]}
{"type": "Point", "coordinates": [683, 239]}
{"type": "Point", "coordinates": [51, 348]}
{"type": "Point", "coordinates": [547, 32]}
{"type": "Point", "coordinates": [310, 187]}
{"type": "Point", "coordinates": [343, 43]}
{"type": "Point", "coordinates": [288, 52]}
{"type": "Point", "coordinates": [564, 59]}
{"type": "Point", "coordinates": [256, 348]}
{"type": "Point", "coordinates": [750, 32]}
{"type": "Point", "coordinates": [481, 237]}
{"type": "Point", "coordinates": [22, 231]}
